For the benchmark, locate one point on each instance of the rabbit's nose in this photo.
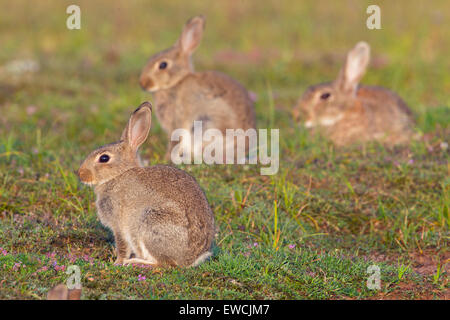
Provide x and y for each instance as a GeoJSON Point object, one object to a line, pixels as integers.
{"type": "Point", "coordinates": [85, 175]}
{"type": "Point", "coordinates": [146, 82]}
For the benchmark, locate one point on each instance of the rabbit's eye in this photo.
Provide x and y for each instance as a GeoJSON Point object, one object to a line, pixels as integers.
{"type": "Point", "coordinates": [325, 96]}
{"type": "Point", "coordinates": [163, 65]}
{"type": "Point", "coordinates": [104, 158]}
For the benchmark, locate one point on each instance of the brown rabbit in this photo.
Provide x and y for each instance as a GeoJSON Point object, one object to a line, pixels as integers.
{"type": "Point", "coordinates": [61, 292]}
{"type": "Point", "coordinates": [349, 113]}
{"type": "Point", "coordinates": [159, 215]}
{"type": "Point", "coordinates": [183, 96]}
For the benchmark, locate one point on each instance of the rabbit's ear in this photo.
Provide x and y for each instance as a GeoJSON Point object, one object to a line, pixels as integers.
{"type": "Point", "coordinates": [354, 68]}
{"type": "Point", "coordinates": [192, 34]}
{"type": "Point", "coordinates": [138, 126]}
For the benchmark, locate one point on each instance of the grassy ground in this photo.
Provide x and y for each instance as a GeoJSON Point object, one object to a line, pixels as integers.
{"type": "Point", "coordinates": [311, 231]}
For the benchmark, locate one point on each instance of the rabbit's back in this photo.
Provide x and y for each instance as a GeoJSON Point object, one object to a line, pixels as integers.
{"type": "Point", "coordinates": [387, 113]}
{"type": "Point", "coordinates": [232, 92]}
{"type": "Point", "coordinates": [386, 102]}
{"type": "Point", "coordinates": [212, 97]}
{"type": "Point", "coordinates": [165, 186]}
{"type": "Point", "coordinates": [376, 113]}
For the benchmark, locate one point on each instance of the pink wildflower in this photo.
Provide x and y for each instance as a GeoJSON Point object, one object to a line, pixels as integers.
{"type": "Point", "coordinates": [141, 277]}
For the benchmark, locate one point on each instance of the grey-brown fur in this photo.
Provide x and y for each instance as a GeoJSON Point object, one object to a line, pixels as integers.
{"type": "Point", "coordinates": [353, 113]}
{"type": "Point", "coordinates": [183, 96]}
{"type": "Point", "coordinates": [61, 292]}
{"type": "Point", "coordinates": [158, 214]}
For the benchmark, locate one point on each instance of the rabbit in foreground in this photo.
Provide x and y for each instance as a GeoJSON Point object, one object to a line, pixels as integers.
{"type": "Point", "coordinates": [61, 292]}
{"type": "Point", "coordinates": [183, 96]}
{"type": "Point", "coordinates": [349, 113]}
{"type": "Point", "coordinates": [159, 215]}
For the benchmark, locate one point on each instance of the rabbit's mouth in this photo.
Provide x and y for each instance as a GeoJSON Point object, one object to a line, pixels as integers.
{"type": "Point", "coordinates": [329, 121]}
{"type": "Point", "coordinates": [309, 124]}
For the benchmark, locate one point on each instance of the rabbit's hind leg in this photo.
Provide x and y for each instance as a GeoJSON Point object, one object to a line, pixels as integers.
{"type": "Point", "coordinates": [143, 257]}
{"type": "Point", "coordinates": [139, 261]}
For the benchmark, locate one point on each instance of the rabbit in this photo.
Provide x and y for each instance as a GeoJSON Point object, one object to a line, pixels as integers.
{"type": "Point", "coordinates": [348, 113]}
{"type": "Point", "coordinates": [61, 292]}
{"type": "Point", "coordinates": [159, 215]}
{"type": "Point", "coordinates": [183, 96]}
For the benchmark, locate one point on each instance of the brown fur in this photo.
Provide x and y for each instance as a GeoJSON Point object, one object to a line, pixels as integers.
{"type": "Point", "coordinates": [61, 292]}
{"type": "Point", "coordinates": [159, 215]}
{"type": "Point", "coordinates": [183, 96]}
{"type": "Point", "coordinates": [354, 113]}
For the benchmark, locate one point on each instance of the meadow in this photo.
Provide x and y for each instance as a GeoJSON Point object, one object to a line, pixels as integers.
{"type": "Point", "coordinates": [309, 232]}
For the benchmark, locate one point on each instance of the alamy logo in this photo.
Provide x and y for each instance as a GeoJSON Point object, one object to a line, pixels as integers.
{"type": "Point", "coordinates": [74, 280]}
{"type": "Point", "coordinates": [374, 281]}
{"type": "Point", "coordinates": [374, 20]}
{"type": "Point", "coordinates": [74, 20]}
{"type": "Point", "coordinates": [235, 147]}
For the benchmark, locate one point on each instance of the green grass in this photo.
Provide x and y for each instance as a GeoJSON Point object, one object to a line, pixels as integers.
{"type": "Point", "coordinates": [308, 232]}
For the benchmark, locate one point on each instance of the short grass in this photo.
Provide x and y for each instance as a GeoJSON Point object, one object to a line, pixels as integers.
{"type": "Point", "coordinates": [308, 232]}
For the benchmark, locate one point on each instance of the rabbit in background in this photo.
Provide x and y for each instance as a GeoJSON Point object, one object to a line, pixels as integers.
{"type": "Point", "coordinates": [159, 215]}
{"type": "Point", "coordinates": [183, 96]}
{"type": "Point", "coordinates": [347, 112]}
